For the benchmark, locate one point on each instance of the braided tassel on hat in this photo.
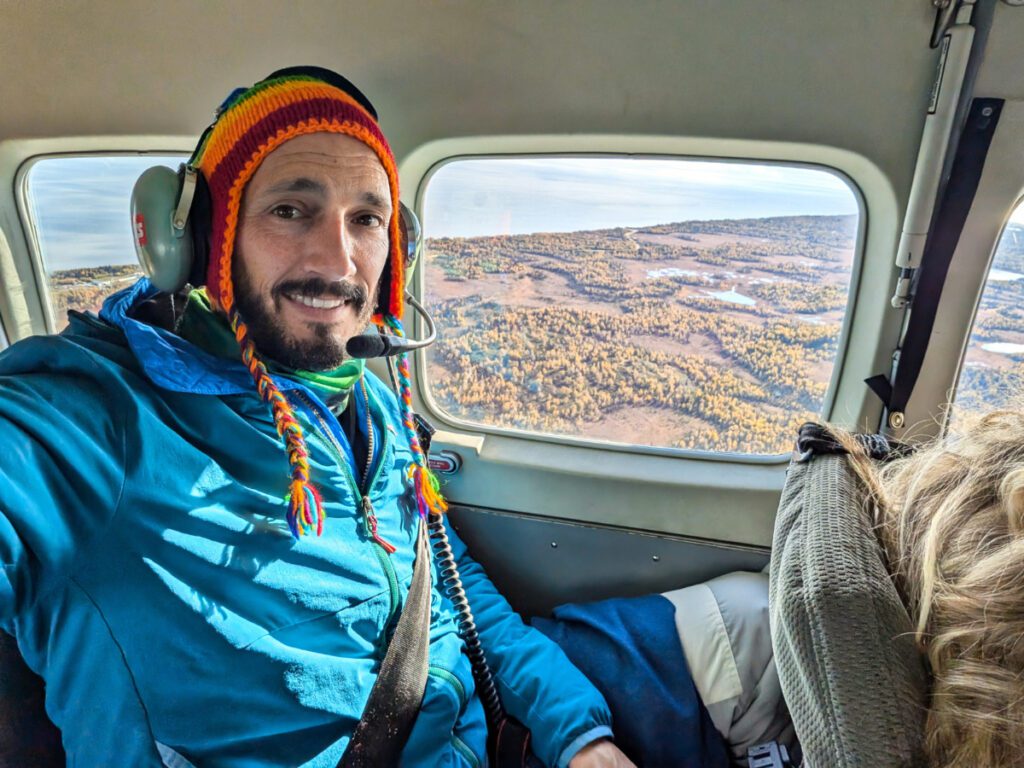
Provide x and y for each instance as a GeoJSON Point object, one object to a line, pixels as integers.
{"type": "Point", "coordinates": [425, 483]}
{"type": "Point", "coordinates": [305, 507]}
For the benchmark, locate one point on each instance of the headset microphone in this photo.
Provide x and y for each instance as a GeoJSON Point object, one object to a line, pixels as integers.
{"type": "Point", "coordinates": [386, 345]}
{"type": "Point", "coordinates": [380, 345]}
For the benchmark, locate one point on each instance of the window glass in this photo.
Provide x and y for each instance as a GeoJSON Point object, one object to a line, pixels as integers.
{"type": "Point", "coordinates": [79, 207]}
{"type": "Point", "coordinates": [992, 375]}
{"type": "Point", "coordinates": [656, 302]}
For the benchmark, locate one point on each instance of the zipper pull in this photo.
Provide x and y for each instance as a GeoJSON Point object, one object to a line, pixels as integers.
{"type": "Point", "coordinates": [371, 525]}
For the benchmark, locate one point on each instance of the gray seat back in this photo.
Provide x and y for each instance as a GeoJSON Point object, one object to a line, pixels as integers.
{"type": "Point", "coordinates": [851, 674]}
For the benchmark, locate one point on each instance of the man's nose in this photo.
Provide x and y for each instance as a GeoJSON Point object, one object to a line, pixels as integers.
{"type": "Point", "coordinates": [333, 252]}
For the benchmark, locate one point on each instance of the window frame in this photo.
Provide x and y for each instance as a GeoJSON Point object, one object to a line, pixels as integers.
{"type": "Point", "coordinates": [415, 170]}
{"type": "Point", "coordinates": [828, 403]}
{"type": "Point", "coordinates": [1018, 204]}
{"type": "Point", "coordinates": [30, 227]}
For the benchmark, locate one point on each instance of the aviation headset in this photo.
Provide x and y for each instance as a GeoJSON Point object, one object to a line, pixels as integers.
{"type": "Point", "coordinates": [171, 211]}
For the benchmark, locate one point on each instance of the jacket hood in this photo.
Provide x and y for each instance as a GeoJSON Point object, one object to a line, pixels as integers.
{"type": "Point", "coordinates": [170, 361]}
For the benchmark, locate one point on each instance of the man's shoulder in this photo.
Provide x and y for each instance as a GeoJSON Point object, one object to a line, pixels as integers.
{"type": "Point", "coordinates": [87, 348]}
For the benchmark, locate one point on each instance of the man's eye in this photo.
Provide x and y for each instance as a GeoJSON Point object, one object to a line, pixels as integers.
{"type": "Point", "coordinates": [369, 220]}
{"type": "Point", "coordinates": [286, 211]}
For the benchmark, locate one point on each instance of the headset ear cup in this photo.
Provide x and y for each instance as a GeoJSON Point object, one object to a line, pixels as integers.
{"type": "Point", "coordinates": [165, 256]}
{"type": "Point", "coordinates": [412, 239]}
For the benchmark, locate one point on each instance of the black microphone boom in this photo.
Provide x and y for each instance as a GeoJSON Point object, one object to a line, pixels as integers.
{"type": "Point", "coordinates": [386, 345]}
{"type": "Point", "coordinates": [365, 347]}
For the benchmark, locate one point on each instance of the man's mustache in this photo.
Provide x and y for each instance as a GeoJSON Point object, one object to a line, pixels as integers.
{"type": "Point", "coordinates": [317, 288]}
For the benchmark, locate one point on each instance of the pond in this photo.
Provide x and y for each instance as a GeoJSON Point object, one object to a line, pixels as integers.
{"type": "Point", "coordinates": [671, 272]}
{"type": "Point", "coordinates": [1003, 276]}
{"type": "Point", "coordinates": [1004, 348]}
{"type": "Point", "coordinates": [733, 297]}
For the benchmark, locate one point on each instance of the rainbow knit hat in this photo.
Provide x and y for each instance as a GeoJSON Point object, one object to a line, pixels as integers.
{"type": "Point", "coordinates": [251, 124]}
{"type": "Point", "coordinates": [254, 122]}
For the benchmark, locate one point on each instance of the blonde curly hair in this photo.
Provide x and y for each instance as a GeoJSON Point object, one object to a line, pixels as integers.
{"type": "Point", "coordinates": [950, 521]}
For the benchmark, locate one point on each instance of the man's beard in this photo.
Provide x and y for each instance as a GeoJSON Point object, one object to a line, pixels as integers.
{"type": "Point", "coordinates": [323, 352]}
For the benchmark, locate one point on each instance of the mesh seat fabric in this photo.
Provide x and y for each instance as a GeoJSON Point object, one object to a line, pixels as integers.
{"type": "Point", "coordinates": [851, 674]}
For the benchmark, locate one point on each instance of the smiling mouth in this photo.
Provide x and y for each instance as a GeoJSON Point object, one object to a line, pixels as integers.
{"type": "Point", "coordinates": [316, 302]}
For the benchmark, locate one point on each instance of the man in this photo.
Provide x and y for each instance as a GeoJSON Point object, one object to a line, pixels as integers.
{"type": "Point", "coordinates": [180, 610]}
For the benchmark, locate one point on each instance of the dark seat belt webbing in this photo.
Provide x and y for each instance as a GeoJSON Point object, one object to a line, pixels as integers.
{"type": "Point", "coordinates": [947, 226]}
{"type": "Point", "coordinates": [395, 699]}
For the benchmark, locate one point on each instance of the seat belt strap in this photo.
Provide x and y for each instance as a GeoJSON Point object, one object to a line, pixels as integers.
{"type": "Point", "coordinates": [968, 164]}
{"type": "Point", "coordinates": [394, 702]}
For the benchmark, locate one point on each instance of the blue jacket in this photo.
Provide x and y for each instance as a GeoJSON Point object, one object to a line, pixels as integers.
{"type": "Point", "coordinates": [150, 577]}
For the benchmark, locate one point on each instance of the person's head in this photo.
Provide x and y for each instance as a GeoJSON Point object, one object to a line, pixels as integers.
{"type": "Point", "coordinates": [950, 519]}
{"type": "Point", "coordinates": [304, 216]}
{"type": "Point", "coordinates": [311, 245]}
{"type": "Point", "coordinates": [305, 246]}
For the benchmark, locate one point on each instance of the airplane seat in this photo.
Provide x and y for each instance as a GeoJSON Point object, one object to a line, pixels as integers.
{"type": "Point", "coordinates": [27, 737]}
{"type": "Point", "coordinates": [851, 674]}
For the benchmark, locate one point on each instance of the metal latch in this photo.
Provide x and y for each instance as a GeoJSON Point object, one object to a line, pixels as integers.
{"type": "Point", "coordinates": [769, 755]}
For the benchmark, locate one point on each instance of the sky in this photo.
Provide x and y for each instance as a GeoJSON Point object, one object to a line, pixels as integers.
{"type": "Point", "coordinates": [80, 204]}
{"type": "Point", "coordinates": [513, 196]}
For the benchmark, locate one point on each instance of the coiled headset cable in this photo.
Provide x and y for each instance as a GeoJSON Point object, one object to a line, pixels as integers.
{"type": "Point", "coordinates": [452, 583]}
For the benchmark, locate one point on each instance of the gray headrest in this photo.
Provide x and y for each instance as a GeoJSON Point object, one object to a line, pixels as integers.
{"type": "Point", "coordinates": [854, 681]}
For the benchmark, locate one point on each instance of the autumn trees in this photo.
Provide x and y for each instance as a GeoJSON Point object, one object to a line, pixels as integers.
{"type": "Point", "coordinates": [619, 344]}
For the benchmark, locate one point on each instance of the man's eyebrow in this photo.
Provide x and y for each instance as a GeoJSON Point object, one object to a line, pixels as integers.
{"type": "Point", "coordinates": [301, 184]}
{"type": "Point", "coordinates": [372, 198]}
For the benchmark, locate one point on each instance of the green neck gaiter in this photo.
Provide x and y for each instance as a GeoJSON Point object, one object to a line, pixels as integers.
{"type": "Point", "coordinates": [211, 332]}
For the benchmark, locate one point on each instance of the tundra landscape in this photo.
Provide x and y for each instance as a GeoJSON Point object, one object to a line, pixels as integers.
{"type": "Point", "coordinates": [708, 335]}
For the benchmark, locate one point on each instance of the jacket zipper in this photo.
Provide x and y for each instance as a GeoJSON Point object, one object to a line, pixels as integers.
{"type": "Point", "coordinates": [381, 547]}
{"type": "Point", "coordinates": [460, 692]}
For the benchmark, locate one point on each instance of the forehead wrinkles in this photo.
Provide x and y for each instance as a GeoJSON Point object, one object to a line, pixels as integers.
{"type": "Point", "coordinates": [327, 168]}
{"type": "Point", "coordinates": [327, 159]}
{"type": "Point", "coordinates": [323, 149]}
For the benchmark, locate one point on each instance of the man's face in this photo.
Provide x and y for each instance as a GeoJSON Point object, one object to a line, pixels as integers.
{"type": "Point", "coordinates": [311, 245]}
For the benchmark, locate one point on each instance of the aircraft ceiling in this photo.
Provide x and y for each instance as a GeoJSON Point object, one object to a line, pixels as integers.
{"type": "Point", "coordinates": [854, 75]}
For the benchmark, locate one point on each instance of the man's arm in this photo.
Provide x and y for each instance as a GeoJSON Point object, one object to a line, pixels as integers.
{"type": "Point", "coordinates": [64, 441]}
{"type": "Point", "coordinates": [60, 479]}
{"type": "Point", "coordinates": [538, 685]}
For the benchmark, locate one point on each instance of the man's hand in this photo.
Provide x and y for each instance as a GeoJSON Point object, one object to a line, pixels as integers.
{"type": "Point", "coordinates": [601, 754]}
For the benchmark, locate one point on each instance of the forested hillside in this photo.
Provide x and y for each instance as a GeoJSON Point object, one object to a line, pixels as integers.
{"type": "Point", "coordinates": [713, 335]}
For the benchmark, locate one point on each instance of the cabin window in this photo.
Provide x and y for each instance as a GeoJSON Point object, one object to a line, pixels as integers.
{"type": "Point", "coordinates": [679, 303]}
{"type": "Point", "coordinates": [78, 207]}
{"type": "Point", "coordinates": [992, 374]}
